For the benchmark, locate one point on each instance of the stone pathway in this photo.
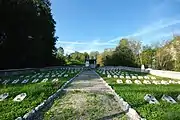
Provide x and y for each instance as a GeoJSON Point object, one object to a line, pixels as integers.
{"type": "Point", "coordinates": [88, 81]}
{"type": "Point", "coordinates": [86, 98]}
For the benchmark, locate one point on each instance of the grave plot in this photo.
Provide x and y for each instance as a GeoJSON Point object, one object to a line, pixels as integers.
{"type": "Point", "coordinates": [20, 94]}
{"type": "Point", "coordinates": [159, 100]}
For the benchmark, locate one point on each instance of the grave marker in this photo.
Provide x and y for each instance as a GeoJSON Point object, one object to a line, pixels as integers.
{"type": "Point", "coordinates": [164, 82]}
{"type": "Point", "coordinates": [3, 96]}
{"type": "Point", "coordinates": [134, 77]}
{"type": "Point", "coordinates": [146, 82]}
{"type": "Point", "coordinates": [20, 97]}
{"type": "Point", "coordinates": [15, 81]}
{"type": "Point", "coordinates": [153, 78]}
{"type": "Point", "coordinates": [66, 75]}
{"type": "Point", "coordinates": [25, 81]}
{"type": "Point", "coordinates": [137, 82]}
{"type": "Point", "coordinates": [140, 77]}
{"type": "Point", "coordinates": [119, 81]}
{"type": "Point", "coordinates": [168, 99]}
{"type": "Point", "coordinates": [156, 82]}
{"type": "Point", "coordinates": [128, 77]}
{"type": "Point", "coordinates": [5, 82]}
{"type": "Point", "coordinates": [150, 99]}
{"type": "Point", "coordinates": [178, 97]}
{"type": "Point", "coordinates": [128, 81]}
{"type": "Point", "coordinates": [45, 80]}
{"type": "Point", "coordinates": [35, 80]}
{"type": "Point", "coordinates": [55, 80]}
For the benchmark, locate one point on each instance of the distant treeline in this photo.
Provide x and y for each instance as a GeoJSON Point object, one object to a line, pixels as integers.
{"type": "Point", "coordinates": [164, 55]}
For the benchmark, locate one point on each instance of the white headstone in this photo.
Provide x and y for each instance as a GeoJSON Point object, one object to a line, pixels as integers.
{"type": "Point", "coordinates": [119, 81]}
{"type": "Point", "coordinates": [66, 75]}
{"type": "Point", "coordinates": [25, 81]}
{"type": "Point", "coordinates": [128, 77]}
{"type": "Point", "coordinates": [46, 75]}
{"type": "Point", "coordinates": [164, 82]}
{"type": "Point", "coordinates": [128, 81]}
{"type": "Point", "coordinates": [45, 80]}
{"type": "Point", "coordinates": [153, 78]}
{"type": "Point", "coordinates": [109, 76]}
{"type": "Point", "coordinates": [3, 96]}
{"type": "Point", "coordinates": [55, 80]}
{"type": "Point", "coordinates": [140, 77]}
{"type": "Point", "coordinates": [15, 81]}
{"type": "Point", "coordinates": [142, 67]}
{"type": "Point", "coordinates": [35, 80]}
{"type": "Point", "coordinates": [146, 77]}
{"type": "Point", "coordinates": [172, 82]}
{"type": "Point", "coordinates": [168, 99]}
{"type": "Point", "coordinates": [146, 82]}
{"type": "Point", "coordinates": [121, 76]}
{"type": "Point", "coordinates": [137, 82]}
{"type": "Point", "coordinates": [115, 76]}
{"type": "Point", "coordinates": [5, 82]}
{"type": "Point", "coordinates": [156, 82]}
{"type": "Point", "coordinates": [53, 76]}
{"type": "Point", "coordinates": [150, 99]}
{"type": "Point", "coordinates": [134, 77]}
{"type": "Point", "coordinates": [20, 97]}
{"type": "Point", "coordinates": [178, 82]}
{"type": "Point", "coordinates": [178, 97]}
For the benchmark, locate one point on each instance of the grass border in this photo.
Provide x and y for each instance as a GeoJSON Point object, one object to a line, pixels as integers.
{"type": "Point", "coordinates": [30, 115]}
{"type": "Point", "coordinates": [130, 112]}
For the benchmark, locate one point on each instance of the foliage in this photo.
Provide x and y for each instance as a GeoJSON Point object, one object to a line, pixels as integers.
{"type": "Point", "coordinates": [76, 58]}
{"type": "Point", "coordinates": [93, 54]}
{"type": "Point", "coordinates": [147, 55]}
{"type": "Point", "coordinates": [26, 34]}
{"type": "Point", "coordinates": [125, 54]}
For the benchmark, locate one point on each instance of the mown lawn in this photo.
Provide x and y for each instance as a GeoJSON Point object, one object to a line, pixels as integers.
{"type": "Point", "coordinates": [134, 95]}
{"type": "Point", "coordinates": [36, 93]}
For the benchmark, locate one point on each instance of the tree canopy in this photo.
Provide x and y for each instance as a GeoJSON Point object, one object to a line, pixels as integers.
{"type": "Point", "coordinates": [27, 34]}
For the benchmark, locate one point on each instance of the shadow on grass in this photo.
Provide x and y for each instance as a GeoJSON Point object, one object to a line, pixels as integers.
{"type": "Point", "coordinates": [41, 114]}
{"type": "Point", "coordinates": [112, 116]}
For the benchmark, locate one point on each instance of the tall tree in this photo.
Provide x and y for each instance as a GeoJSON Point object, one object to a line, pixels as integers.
{"type": "Point", "coordinates": [26, 33]}
{"type": "Point", "coordinates": [93, 54]}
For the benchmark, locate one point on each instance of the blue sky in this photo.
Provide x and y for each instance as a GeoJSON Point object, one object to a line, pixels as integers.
{"type": "Point", "coordinates": [93, 25]}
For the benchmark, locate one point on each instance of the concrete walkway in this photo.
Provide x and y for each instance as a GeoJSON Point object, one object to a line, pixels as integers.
{"type": "Point", "coordinates": [86, 98]}
{"type": "Point", "coordinates": [88, 81]}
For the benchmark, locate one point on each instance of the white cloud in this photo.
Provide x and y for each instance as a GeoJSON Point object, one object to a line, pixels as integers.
{"type": "Point", "coordinates": [94, 42]}
{"type": "Point", "coordinates": [161, 24]}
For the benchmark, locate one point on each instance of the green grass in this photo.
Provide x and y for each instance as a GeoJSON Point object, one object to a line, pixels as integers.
{"type": "Point", "coordinates": [36, 93]}
{"type": "Point", "coordinates": [84, 106]}
{"type": "Point", "coordinates": [134, 95]}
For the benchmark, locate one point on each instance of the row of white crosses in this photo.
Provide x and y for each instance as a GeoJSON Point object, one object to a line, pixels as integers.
{"type": "Point", "coordinates": [152, 100]}
{"type": "Point", "coordinates": [18, 98]}
{"type": "Point", "coordinates": [156, 82]}
{"type": "Point", "coordinates": [54, 74]}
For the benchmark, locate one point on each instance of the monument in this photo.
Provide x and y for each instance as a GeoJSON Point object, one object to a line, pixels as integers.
{"type": "Point", "coordinates": [91, 63]}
